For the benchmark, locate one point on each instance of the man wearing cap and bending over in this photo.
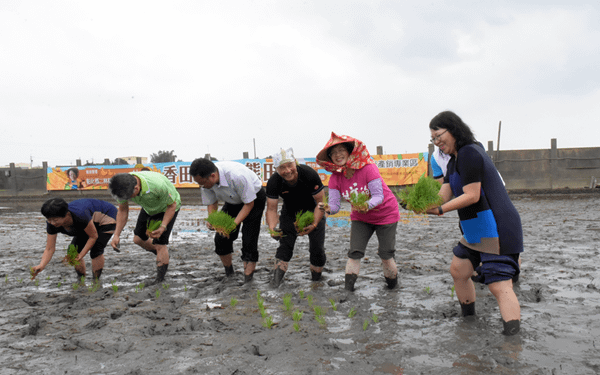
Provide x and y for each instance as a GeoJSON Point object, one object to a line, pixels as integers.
{"type": "Point", "coordinates": [301, 189]}
{"type": "Point", "coordinates": [244, 197]}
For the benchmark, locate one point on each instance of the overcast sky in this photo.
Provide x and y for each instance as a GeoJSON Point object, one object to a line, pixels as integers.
{"type": "Point", "coordinates": [92, 80]}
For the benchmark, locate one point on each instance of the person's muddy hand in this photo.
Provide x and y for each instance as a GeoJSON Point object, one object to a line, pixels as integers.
{"type": "Point", "coordinates": [158, 232]}
{"type": "Point", "coordinates": [36, 271]}
{"type": "Point", "coordinates": [116, 243]}
{"type": "Point", "coordinates": [307, 230]}
{"type": "Point", "coordinates": [209, 226]}
{"type": "Point", "coordinates": [276, 233]}
{"type": "Point", "coordinates": [361, 209]}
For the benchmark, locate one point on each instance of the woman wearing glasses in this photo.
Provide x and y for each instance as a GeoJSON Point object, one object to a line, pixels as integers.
{"type": "Point", "coordinates": [491, 226]}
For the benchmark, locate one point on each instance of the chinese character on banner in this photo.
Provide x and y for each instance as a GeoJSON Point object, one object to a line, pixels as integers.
{"type": "Point", "coordinates": [184, 174]}
{"type": "Point", "coordinates": [170, 172]}
{"type": "Point", "coordinates": [380, 163]}
{"type": "Point", "coordinates": [389, 164]}
{"type": "Point", "coordinates": [254, 167]}
{"type": "Point", "coordinates": [405, 163]}
{"type": "Point", "coordinates": [397, 163]}
{"type": "Point", "coordinates": [269, 170]}
{"type": "Point", "coordinates": [414, 162]}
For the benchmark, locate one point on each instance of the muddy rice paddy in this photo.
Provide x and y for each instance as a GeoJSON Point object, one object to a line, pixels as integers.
{"type": "Point", "coordinates": [199, 322]}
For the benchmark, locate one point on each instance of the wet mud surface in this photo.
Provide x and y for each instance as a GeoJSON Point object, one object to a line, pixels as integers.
{"type": "Point", "coordinates": [198, 321]}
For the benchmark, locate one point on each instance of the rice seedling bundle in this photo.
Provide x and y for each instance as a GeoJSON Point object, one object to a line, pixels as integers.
{"type": "Point", "coordinates": [304, 219]}
{"type": "Point", "coordinates": [152, 225]}
{"type": "Point", "coordinates": [423, 195]}
{"type": "Point", "coordinates": [223, 223]}
{"type": "Point", "coordinates": [71, 258]}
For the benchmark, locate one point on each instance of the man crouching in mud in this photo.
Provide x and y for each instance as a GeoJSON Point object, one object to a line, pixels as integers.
{"type": "Point", "coordinates": [301, 188]}
{"type": "Point", "coordinates": [91, 222]}
{"type": "Point", "coordinates": [159, 201]}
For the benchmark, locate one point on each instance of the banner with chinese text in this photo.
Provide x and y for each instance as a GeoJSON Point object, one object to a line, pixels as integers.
{"type": "Point", "coordinates": [396, 170]}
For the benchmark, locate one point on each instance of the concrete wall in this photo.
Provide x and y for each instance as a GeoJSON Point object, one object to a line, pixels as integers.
{"type": "Point", "coordinates": [15, 181]}
{"type": "Point", "coordinates": [553, 168]}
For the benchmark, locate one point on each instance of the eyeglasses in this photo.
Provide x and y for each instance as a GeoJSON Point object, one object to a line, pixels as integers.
{"type": "Point", "coordinates": [437, 137]}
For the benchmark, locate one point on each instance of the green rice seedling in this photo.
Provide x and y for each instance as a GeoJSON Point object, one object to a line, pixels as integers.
{"type": "Point", "coordinates": [358, 200]}
{"type": "Point", "coordinates": [31, 272]}
{"type": "Point", "coordinates": [374, 318]}
{"type": "Point", "coordinates": [71, 258]}
{"type": "Point", "coordinates": [365, 324]}
{"type": "Point", "coordinates": [47, 278]}
{"type": "Point", "coordinates": [258, 294]}
{"type": "Point", "coordinates": [115, 287]}
{"type": "Point", "coordinates": [37, 282]}
{"type": "Point", "coordinates": [301, 293]}
{"type": "Point", "coordinates": [165, 286]}
{"type": "Point", "coordinates": [287, 302]}
{"type": "Point", "coordinates": [185, 288]}
{"type": "Point", "coordinates": [321, 320]}
{"type": "Point", "coordinates": [333, 306]}
{"type": "Point", "coordinates": [261, 303]}
{"type": "Point", "coordinates": [222, 222]}
{"type": "Point", "coordinates": [157, 293]}
{"type": "Point", "coordinates": [233, 302]}
{"type": "Point", "coordinates": [268, 322]}
{"type": "Point", "coordinates": [303, 220]}
{"type": "Point", "coordinates": [20, 280]}
{"type": "Point", "coordinates": [423, 195]}
{"type": "Point", "coordinates": [276, 233]}
{"type": "Point", "coordinates": [296, 326]}
{"type": "Point", "coordinates": [82, 280]}
{"type": "Point", "coordinates": [319, 310]}
{"type": "Point", "coordinates": [6, 279]}
{"type": "Point", "coordinates": [263, 312]}
{"type": "Point", "coordinates": [152, 225]}
{"type": "Point", "coordinates": [59, 284]}
{"type": "Point", "coordinates": [93, 287]}
{"type": "Point", "coordinates": [75, 286]}
{"type": "Point", "coordinates": [141, 286]}
{"type": "Point", "coordinates": [427, 290]}
{"type": "Point", "coordinates": [452, 292]}
{"type": "Point", "coordinates": [352, 312]}
{"type": "Point", "coordinates": [297, 316]}
{"type": "Point", "coordinates": [309, 298]}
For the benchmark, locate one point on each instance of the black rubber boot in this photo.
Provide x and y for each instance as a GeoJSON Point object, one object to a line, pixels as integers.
{"type": "Point", "coordinates": [97, 274]}
{"type": "Point", "coordinates": [349, 282]}
{"type": "Point", "coordinates": [248, 278]}
{"type": "Point", "coordinates": [511, 327]}
{"type": "Point", "coordinates": [468, 309]}
{"type": "Point", "coordinates": [391, 283]}
{"type": "Point", "coordinates": [229, 271]}
{"type": "Point", "coordinates": [80, 275]}
{"type": "Point", "coordinates": [277, 277]}
{"type": "Point", "coordinates": [161, 271]}
{"type": "Point", "coordinates": [316, 276]}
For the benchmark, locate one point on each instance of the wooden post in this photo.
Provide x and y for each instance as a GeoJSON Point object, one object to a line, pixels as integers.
{"type": "Point", "coordinates": [379, 150]}
{"type": "Point", "coordinates": [553, 161]}
{"type": "Point", "coordinates": [431, 150]}
{"type": "Point", "coordinates": [45, 166]}
{"type": "Point", "coordinates": [498, 144]}
{"type": "Point", "coordinates": [245, 155]}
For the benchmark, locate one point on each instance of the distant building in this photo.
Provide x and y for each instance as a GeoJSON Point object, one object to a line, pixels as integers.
{"type": "Point", "coordinates": [133, 159]}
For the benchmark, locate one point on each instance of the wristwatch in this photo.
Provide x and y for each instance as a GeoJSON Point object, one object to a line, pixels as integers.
{"type": "Point", "coordinates": [440, 211]}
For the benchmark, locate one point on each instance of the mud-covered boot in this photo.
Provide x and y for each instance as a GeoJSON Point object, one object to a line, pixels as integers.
{"type": "Point", "coordinates": [468, 309]}
{"type": "Point", "coordinates": [391, 283]}
{"type": "Point", "coordinates": [161, 271]}
{"type": "Point", "coordinates": [511, 327]}
{"type": "Point", "coordinates": [316, 276]}
{"type": "Point", "coordinates": [277, 277]}
{"type": "Point", "coordinates": [229, 270]}
{"type": "Point", "coordinates": [97, 274]}
{"type": "Point", "coordinates": [350, 280]}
